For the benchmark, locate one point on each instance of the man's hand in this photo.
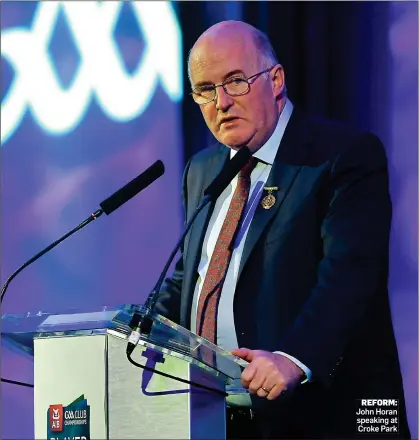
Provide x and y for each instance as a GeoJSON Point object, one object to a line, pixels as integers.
{"type": "Point", "coordinates": [268, 374]}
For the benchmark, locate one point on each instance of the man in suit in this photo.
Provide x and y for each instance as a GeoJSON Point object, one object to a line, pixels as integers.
{"type": "Point", "coordinates": [291, 261]}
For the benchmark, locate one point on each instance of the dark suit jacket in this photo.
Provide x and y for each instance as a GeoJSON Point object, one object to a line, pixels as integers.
{"type": "Point", "coordinates": [313, 275]}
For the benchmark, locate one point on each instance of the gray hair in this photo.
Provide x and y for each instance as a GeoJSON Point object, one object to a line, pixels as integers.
{"type": "Point", "coordinates": [266, 51]}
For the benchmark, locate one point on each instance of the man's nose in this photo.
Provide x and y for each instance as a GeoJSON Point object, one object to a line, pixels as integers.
{"type": "Point", "coordinates": [223, 101]}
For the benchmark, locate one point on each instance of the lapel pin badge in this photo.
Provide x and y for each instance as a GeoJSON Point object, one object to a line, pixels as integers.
{"type": "Point", "coordinates": [269, 200]}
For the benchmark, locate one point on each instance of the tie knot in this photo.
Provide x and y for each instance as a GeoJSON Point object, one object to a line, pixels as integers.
{"type": "Point", "coordinates": [246, 171]}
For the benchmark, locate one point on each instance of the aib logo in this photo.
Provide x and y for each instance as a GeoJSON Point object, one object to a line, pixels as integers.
{"type": "Point", "coordinates": [101, 73]}
{"type": "Point", "coordinates": [56, 418]}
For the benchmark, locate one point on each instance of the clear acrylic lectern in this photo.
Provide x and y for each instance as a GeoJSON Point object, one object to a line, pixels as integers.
{"type": "Point", "coordinates": [85, 387]}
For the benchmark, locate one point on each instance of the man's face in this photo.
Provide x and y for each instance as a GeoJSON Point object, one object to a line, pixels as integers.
{"type": "Point", "coordinates": [236, 121]}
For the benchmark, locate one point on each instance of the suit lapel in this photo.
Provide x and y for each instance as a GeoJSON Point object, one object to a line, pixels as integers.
{"type": "Point", "coordinates": [209, 169]}
{"type": "Point", "coordinates": [282, 176]}
{"type": "Point", "coordinates": [285, 169]}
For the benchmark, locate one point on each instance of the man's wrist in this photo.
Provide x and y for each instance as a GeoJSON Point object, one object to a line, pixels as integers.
{"type": "Point", "coordinates": [304, 368]}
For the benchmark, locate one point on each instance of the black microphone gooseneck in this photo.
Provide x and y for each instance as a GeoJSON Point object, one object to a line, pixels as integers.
{"type": "Point", "coordinates": [109, 205]}
{"type": "Point", "coordinates": [92, 217]}
{"type": "Point", "coordinates": [212, 192]}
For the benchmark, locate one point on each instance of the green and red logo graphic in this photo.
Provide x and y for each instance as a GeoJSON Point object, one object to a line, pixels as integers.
{"type": "Point", "coordinates": [69, 422]}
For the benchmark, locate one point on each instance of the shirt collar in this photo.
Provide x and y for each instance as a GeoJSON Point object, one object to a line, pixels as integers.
{"type": "Point", "coordinates": [267, 152]}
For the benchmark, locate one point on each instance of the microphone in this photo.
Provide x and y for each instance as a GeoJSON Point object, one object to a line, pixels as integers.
{"type": "Point", "coordinates": [132, 188]}
{"type": "Point", "coordinates": [227, 174]}
{"type": "Point", "coordinates": [211, 193]}
{"type": "Point", "coordinates": [109, 205]}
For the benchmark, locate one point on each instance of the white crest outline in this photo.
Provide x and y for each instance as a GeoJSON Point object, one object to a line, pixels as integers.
{"type": "Point", "coordinates": [100, 74]}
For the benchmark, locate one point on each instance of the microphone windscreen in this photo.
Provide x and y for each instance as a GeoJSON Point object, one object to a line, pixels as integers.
{"type": "Point", "coordinates": [132, 188]}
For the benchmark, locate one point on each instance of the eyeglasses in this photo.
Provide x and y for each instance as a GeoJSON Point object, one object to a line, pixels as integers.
{"type": "Point", "coordinates": [234, 86]}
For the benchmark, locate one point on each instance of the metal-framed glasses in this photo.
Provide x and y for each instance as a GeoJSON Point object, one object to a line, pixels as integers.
{"type": "Point", "coordinates": [234, 86]}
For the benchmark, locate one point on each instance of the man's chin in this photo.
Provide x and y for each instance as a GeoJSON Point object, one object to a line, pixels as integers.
{"type": "Point", "coordinates": [234, 142]}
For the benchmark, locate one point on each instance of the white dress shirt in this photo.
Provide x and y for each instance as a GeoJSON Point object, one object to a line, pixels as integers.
{"type": "Point", "coordinates": [226, 332]}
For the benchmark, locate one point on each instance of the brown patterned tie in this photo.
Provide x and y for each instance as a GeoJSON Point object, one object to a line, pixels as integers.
{"type": "Point", "coordinates": [209, 298]}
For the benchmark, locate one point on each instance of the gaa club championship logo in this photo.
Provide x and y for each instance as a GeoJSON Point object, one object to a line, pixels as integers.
{"type": "Point", "coordinates": [69, 422]}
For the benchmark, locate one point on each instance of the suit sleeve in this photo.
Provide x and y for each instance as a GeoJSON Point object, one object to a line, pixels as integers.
{"type": "Point", "coordinates": [168, 302]}
{"type": "Point", "coordinates": [354, 268]}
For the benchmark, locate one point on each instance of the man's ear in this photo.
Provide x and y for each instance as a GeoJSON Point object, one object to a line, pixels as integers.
{"type": "Point", "coordinates": [278, 79]}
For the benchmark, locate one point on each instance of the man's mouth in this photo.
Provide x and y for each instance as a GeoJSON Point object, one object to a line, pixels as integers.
{"type": "Point", "coordinates": [226, 120]}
